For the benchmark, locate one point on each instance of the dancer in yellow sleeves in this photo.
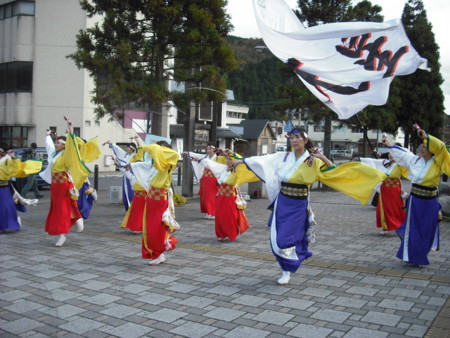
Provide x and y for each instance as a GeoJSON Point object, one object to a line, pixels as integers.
{"type": "Point", "coordinates": [13, 167]}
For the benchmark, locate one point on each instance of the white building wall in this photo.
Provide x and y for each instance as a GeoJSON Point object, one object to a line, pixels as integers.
{"type": "Point", "coordinates": [59, 87]}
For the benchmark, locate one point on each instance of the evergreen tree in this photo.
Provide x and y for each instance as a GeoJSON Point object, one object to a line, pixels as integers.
{"type": "Point", "coordinates": [422, 100]}
{"type": "Point", "coordinates": [130, 52]}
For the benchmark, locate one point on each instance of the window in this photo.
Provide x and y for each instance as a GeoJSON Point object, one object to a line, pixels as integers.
{"type": "Point", "coordinates": [97, 123]}
{"type": "Point", "coordinates": [16, 76]}
{"type": "Point", "coordinates": [24, 8]}
{"type": "Point", "coordinates": [16, 8]}
{"type": "Point", "coordinates": [13, 137]}
{"type": "Point", "coordinates": [87, 123]}
{"type": "Point", "coordinates": [76, 131]}
{"type": "Point", "coordinates": [319, 128]}
{"type": "Point", "coordinates": [337, 129]}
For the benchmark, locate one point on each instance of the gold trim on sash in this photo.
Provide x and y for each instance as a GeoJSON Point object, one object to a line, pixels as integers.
{"type": "Point", "coordinates": [227, 190]}
{"type": "Point", "coordinates": [392, 182]}
{"type": "Point", "coordinates": [295, 191]}
{"type": "Point", "coordinates": [423, 192]}
{"type": "Point", "coordinates": [158, 194]}
{"type": "Point", "coordinates": [4, 183]}
{"type": "Point", "coordinates": [59, 177]}
{"type": "Point", "coordinates": [207, 173]}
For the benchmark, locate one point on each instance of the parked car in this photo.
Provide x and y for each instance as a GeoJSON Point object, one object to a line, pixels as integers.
{"type": "Point", "coordinates": [342, 153]}
{"type": "Point", "coordinates": [41, 155]}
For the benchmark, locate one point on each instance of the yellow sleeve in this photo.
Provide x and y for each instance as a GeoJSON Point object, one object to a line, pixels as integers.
{"type": "Point", "coordinates": [138, 157]}
{"type": "Point", "coordinates": [164, 158]}
{"type": "Point", "coordinates": [355, 179]}
{"type": "Point", "coordinates": [91, 151]}
{"type": "Point", "coordinates": [73, 162]}
{"type": "Point", "coordinates": [221, 159]}
{"type": "Point", "coordinates": [243, 175]}
{"type": "Point", "coordinates": [441, 154]}
{"type": "Point", "coordinates": [14, 167]}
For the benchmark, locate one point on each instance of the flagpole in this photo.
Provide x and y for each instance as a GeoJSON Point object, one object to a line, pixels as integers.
{"type": "Point", "coordinates": [374, 153]}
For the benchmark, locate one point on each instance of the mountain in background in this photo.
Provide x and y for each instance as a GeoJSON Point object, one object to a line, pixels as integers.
{"type": "Point", "coordinates": [257, 77]}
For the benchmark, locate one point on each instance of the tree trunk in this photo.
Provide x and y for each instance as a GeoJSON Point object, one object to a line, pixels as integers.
{"type": "Point", "coordinates": [157, 109]}
{"type": "Point", "coordinates": [406, 143]}
{"type": "Point", "coordinates": [327, 136]}
{"type": "Point", "coordinates": [364, 146]}
{"type": "Point", "coordinates": [217, 110]}
{"type": "Point", "coordinates": [187, 188]}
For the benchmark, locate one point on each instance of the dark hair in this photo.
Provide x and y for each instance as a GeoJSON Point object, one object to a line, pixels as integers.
{"type": "Point", "coordinates": [33, 145]}
{"type": "Point", "coordinates": [308, 145]}
{"type": "Point", "coordinates": [61, 138]}
{"type": "Point", "coordinates": [164, 144]}
{"type": "Point", "coordinates": [132, 146]}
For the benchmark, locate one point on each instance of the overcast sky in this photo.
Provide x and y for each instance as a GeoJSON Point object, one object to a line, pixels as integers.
{"type": "Point", "coordinates": [438, 13]}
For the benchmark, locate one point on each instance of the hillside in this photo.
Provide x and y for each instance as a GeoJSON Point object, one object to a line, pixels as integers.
{"type": "Point", "coordinates": [257, 77]}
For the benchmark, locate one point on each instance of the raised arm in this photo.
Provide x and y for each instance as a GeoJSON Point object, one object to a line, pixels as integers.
{"type": "Point", "coordinates": [401, 155]}
{"type": "Point", "coordinates": [438, 148]}
{"type": "Point", "coordinates": [49, 145]}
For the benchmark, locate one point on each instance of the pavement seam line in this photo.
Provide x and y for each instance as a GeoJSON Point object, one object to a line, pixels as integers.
{"type": "Point", "coordinates": [269, 257]}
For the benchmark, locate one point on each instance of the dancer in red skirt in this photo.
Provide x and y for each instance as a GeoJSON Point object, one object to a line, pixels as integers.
{"type": "Point", "coordinates": [65, 173]}
{"type": "Point", "coordinates": [156, 232]}
{"type": "Point", "coordinates": [230, 220]}
{"type": "Point", "coordinates": [390, 212]}
{"type": "Point", "coordinates": [209, 186]}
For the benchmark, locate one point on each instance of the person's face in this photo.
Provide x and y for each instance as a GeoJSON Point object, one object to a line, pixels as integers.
{"type": "Point", "coordinates": [422, 151]}
{"type": "Point", "coordinates": [59, 146]}
{"type": "Point", "coordinates": [130, 150]}
{"type": "Point", "coordinates": [10, 153]}
{"type": "Point", "coordinates": [229, 161]}
{"type": "Point", "coordinates": [210, 151]}
{"type": "Point", "coordinates": [298, 142]}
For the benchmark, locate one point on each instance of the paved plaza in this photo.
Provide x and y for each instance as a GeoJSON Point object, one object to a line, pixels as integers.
{"type": "Point", "coordinates": [97, 284]}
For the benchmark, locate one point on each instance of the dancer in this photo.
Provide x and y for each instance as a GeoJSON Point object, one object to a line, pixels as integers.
{"type": "Point", "coordinates": [390, 213]}
{"type": "Point", "coordinates": [31, 179]}
{"type": "Point", "coordinates": [230, 221]}
{"type": "Point", "coordinates": [288, 176]}
{"type": "Point", "coordinates": [156, 233]}
{"type": "Point", "coordinates": [122, 158]}
{"type": "Point", "coordinates": [420, 232]}
{"type": "Point", "coordinates": [10, 199]}
{"type": "Point", "coordinates": [208, 182]}
{"type": "Point", "coordinates": [65, 173]}
{"type": "Point", "coordinates": [87, 197]}
{"type": "Point", "coordinates": [89, 152]}
{"type": "Point", "coordinates": [134, 218]}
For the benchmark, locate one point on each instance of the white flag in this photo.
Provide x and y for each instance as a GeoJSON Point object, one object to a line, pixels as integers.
{"type": "Point", "coordinates": [346, 65]}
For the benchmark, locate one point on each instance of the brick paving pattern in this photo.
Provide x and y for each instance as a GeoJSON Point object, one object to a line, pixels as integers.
{"type": "Point", "coordinates": [97, 285]}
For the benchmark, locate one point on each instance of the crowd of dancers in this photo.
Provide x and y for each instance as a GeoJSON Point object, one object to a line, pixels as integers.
{"type": "Point", "coordinates": [148, 197]}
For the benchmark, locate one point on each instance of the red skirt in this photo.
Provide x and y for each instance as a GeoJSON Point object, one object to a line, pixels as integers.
{"type": "Point", "coordinates": [390, 212]}
{"type": "Point", "coordinates": [134, 218]}
{"type": "Point", "coordinates": [208, 191]}
{"type": "Point", "coordinates": [230, 221]}
{"type": "Point", "coordinates": [155, 234]}
{"type": "Point", "coordinates": [63, 211]}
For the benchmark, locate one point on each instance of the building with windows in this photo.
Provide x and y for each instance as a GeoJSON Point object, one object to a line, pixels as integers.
{"type": "Point", "coordinates": [345, 139]}
{"type": "Point", "coordinates": [39, 85]}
